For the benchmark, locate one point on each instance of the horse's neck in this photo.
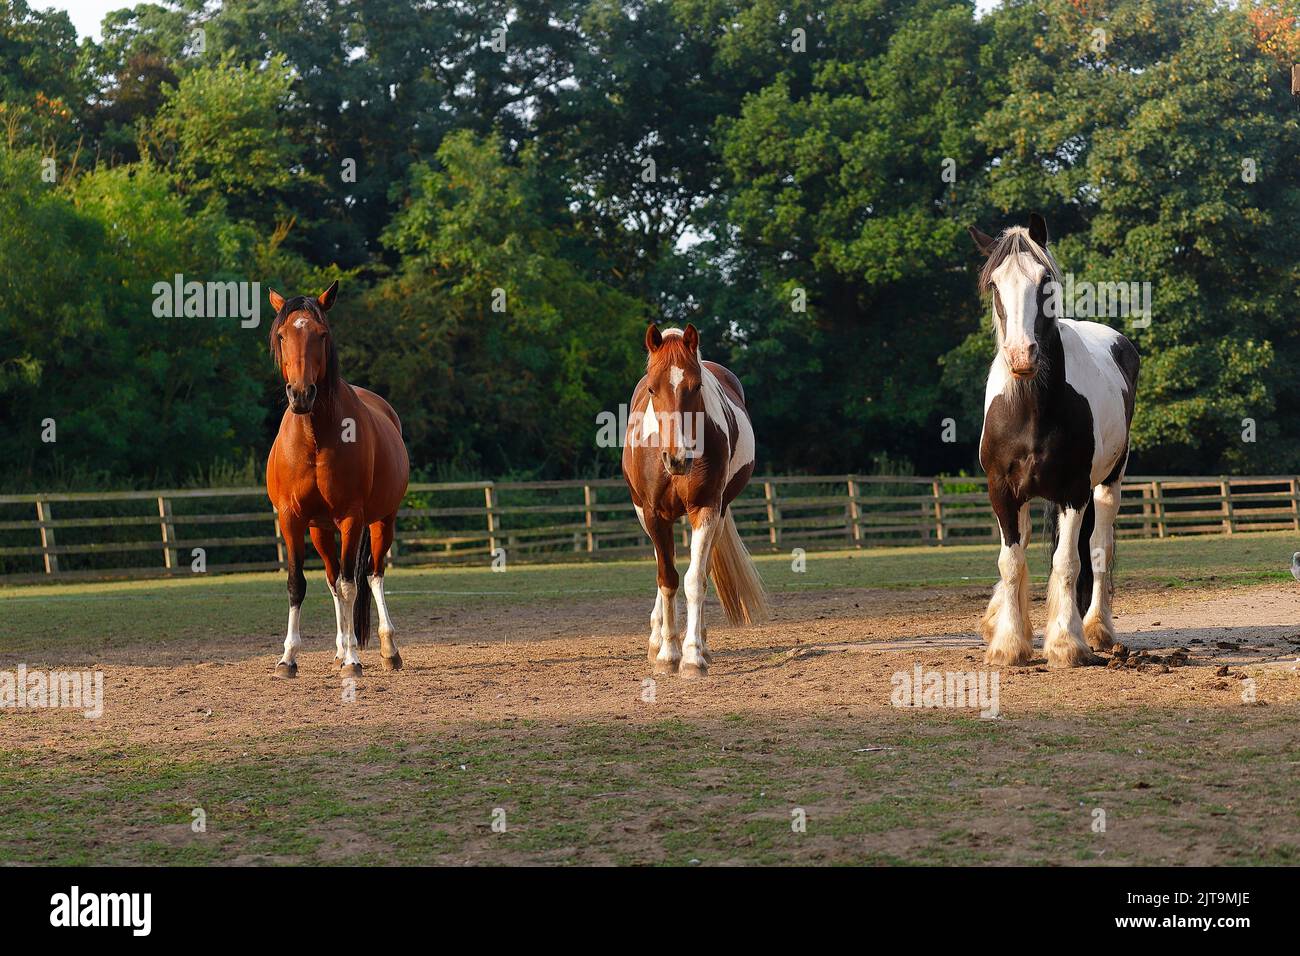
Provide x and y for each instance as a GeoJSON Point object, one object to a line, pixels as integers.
{"type": "Point", "coordinates": [1036, 405]}
{"type": "Point", "coordinates": [326, 418]}
{"type": "Point", "coordinates": [1048, 391]}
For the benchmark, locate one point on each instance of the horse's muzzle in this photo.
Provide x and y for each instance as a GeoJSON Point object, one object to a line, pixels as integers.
{"type": "Point", "coordinates": [301, 400]}
{"type": "Point", "coordinates": [1022, 360]}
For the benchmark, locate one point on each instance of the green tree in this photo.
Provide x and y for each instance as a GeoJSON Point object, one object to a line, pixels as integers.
{"type": "Point", "coordinates": [222, 131]}
{"type": "Point", "coordinates": [836, 198]}
{"type": "Point", "coordinates": [43, 85]}
{"type": "Point", "coordinates": [131, 393]}
{"type": "Point", "coordinates": [496, 349]}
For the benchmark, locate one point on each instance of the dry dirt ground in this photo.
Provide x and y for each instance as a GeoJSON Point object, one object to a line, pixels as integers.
{"type": "Point", "coordinates": [541, 719]}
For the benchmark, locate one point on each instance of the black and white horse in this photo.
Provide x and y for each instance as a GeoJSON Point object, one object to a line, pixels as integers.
{"type": "Point", "coordinates": [1057, 411]}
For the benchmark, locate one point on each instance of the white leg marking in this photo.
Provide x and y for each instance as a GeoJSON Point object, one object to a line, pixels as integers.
{"type": "Point", "coordinates": [1098, 627]}
{"type": "Point", "coordinates": [1011, 638]}
{"type": "Point", "coordinates": [695, 651]}
{"type": "Point", "coordinates": [377, 589]}
{"type": "Point", "coordinates": [339, 639]}
{"type": "Point", "coordinates": [656, 623]}
{"type": "Point", "coordinates": [664, 641]}
{"type": "Point", "coordinates": [1063, 642]}
{"type": "Point", "coordinates": [347, 602]}
{"type": "Point", "coordinates": [293, 638]}
{"type": "Point", "coordinates": [1007, 626]}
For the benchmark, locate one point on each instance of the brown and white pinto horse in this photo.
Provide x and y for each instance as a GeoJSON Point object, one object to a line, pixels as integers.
{"type": "Point", "coordinates": [338, 463]}
{"type": "Point", "coordinates": [689, 450]}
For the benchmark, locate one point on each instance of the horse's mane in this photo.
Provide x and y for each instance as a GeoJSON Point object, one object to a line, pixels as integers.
{"type": "Point", "coordinates": [1014, 242]}
{"type": "Point", "coordinates": [307, 303]}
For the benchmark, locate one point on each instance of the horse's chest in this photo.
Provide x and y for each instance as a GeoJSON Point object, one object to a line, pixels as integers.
{"type": "Point", "coordinates": [323, 485]}
{"type": "Point", "coordinates": [1036, 451]}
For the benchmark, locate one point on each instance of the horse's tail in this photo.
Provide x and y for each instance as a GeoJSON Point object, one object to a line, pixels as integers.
{"type": "Point", "coordinates": [1083, 585]}
{"type": "Point", "coordinates": [740, 589]}
{"type": "Point", "coordinates": [361, 577]}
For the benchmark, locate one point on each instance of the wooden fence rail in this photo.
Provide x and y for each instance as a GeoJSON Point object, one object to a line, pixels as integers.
{"type": "Point", "coordinates": [157, 533]}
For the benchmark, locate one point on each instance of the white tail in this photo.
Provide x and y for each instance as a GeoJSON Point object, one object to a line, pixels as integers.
{"type": "Point", "coordinates": [739, 587]}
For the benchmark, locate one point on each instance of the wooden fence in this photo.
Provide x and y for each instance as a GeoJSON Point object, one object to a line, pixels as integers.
{"type": "Point", "coordinates": [148, 534]}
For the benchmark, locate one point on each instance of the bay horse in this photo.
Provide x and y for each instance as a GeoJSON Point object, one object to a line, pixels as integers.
{"type": "Point", "coordinates": [338, 465]}
{"type": "Point", "coordinates": [689, 450]}
{"type": "Point", "coordinates": [1058, 406]}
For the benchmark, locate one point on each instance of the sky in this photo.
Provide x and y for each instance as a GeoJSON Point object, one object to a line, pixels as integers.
{"type": "Point", "coordinates": [87, 14]}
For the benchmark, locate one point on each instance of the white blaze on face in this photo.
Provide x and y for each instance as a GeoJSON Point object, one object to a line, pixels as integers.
{"type": "Point", "coordinates": [300, 323]}
{"type": "Point", "coordinates": [1017, 281]}
{"type": "Point", "coordinates": [675, 377]}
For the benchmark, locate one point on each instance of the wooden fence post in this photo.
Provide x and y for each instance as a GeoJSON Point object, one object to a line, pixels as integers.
{"type": "Point", "coordinates": [773, 514]}
{"type": "Point", "coordinates": [1229, 523]}
{"type": "Point", "coordinates": [936, 489]}
{"type": "Point", "coordinates": [44, 516]}
{"type": "Point", "coordinates": [489, 499]}
{"type": "Point", "coordinates": [1295, 504]}
{"type": "Point", "coordinates": [588, 499]}
{"type": "Point", "coordinates": [168, 532]}
{"type": "Point", "coordinates": [1146, 511]}
{"type": "Point", "coordinates": [1158, 497]}
{"type": "Point", "coordinates": [855, 515]}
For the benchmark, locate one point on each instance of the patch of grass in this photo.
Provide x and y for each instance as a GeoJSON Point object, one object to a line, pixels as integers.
{"type": "Point", "coordinates": [949, 790]}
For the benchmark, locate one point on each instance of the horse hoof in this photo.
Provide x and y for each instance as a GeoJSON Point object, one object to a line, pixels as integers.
{"type": "Point", "coordinates": [393, 663]}
{"type": "Point", "coordinates": [1071, 655]}
{"type": "Point", "coordinates": [665, 667]}
{"type": "Point", "coordinates": [1004, 657]}
{"type": "Point", "coordinates": [350, 670]}
{"type": "Point", "coordinates": [283, 670]}
{"type": "Point", "coordinates": [1098, 636]}
{"type": "Point", "coordinates": [693, 671]}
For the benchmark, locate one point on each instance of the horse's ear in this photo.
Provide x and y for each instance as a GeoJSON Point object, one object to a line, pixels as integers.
{"type": "Point", "coordinates": [982, 242]}
{"type": "Point", "coordinates": [691, 337]}
{"type": "Point", "coordinates": [653, 338]}
{"type": "Point", "coordinates": [326, 298]}
{"type": "Point", "coordinates": [277, 300]}
{"type": "Point", "coordinates": [1038, 229]}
